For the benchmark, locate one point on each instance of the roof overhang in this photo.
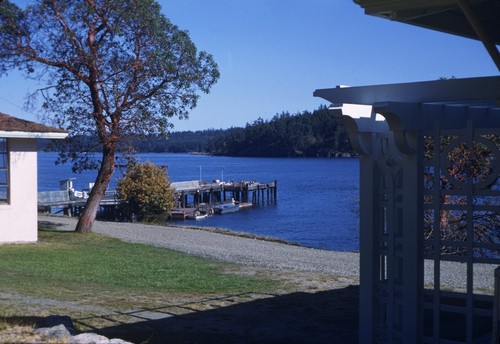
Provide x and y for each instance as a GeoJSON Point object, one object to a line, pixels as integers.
{"type": "Point", "coordinates": [33, 135]}
{"type": "Point", "coordinates": [476, 19]}
{"type": "Point", "coordinates": [13, 127]}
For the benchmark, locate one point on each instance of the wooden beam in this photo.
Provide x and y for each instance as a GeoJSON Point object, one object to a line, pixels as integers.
{"type": "Point", "coordinates": [481, 32]}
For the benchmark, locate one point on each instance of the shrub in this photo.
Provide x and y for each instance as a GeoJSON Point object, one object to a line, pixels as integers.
{"type": "Point", "coordinates": [146, 190]}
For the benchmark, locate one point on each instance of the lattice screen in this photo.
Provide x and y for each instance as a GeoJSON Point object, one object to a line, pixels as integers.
{"type": "Point", "coordinates": [430, 219]}
{"type": "Point", "coordinates": [461, 228]}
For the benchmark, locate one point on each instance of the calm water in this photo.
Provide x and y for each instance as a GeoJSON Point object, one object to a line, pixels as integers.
{"type": "Point", "coordinates": [317, 198]}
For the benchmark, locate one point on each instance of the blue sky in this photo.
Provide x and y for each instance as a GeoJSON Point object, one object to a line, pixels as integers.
{"type": "Point", "coordinates": [273, 54]}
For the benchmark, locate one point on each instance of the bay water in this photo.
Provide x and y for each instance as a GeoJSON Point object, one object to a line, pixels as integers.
{"type": "Point", "coordinates": [317, 203]}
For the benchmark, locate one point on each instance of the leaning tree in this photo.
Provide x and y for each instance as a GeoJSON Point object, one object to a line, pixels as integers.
{"type": "Point", "coordinates": [111, 68]}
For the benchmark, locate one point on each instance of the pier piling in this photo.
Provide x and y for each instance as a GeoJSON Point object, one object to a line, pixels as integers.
{"type": "Point", "coordinates": [194, 193]}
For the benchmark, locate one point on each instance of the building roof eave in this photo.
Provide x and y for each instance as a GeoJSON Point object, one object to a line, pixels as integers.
{"type": "Point", "coordinates": [440, 15]}
{"type": "Point", "coordinates": [13, 127]}
{"type": "Point", "coordinates": [33, 135]}
{"type": "Point", "coordinates": [476, 19]}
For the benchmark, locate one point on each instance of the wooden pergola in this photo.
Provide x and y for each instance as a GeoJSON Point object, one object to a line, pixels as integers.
{"type": "Point", "coordinates": [430, 188]}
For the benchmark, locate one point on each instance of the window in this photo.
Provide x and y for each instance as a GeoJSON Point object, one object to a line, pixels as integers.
{"type": "Point", "coordinates": [4, 171]}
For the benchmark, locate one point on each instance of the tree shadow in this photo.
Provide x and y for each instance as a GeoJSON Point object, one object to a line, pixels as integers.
{"type": "Point", "coordinates": [50, 226]}
{"type": "Point", "coordinates": [21, 320]}
{"type": "Point", "coordinates": [323, 317]}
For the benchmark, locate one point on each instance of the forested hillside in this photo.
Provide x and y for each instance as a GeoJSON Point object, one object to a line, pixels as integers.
{"type": "Point", "coordinates": [307, 134]}
{"type": "Point", "coordinates": [178, 142]}
{"type": "Point", "coordinates": [175, 142]}
{"type": "Point", "coordinates": [316, 134]}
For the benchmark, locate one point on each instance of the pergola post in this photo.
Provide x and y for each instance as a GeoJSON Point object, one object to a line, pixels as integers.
{"type": "Point", "coordinates": [390, 260]}
{"type": "Point", "coordinates": [367, 264]}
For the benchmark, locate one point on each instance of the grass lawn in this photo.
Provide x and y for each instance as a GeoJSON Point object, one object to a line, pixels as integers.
{"type": "Point", "coordinates": [99, 270]}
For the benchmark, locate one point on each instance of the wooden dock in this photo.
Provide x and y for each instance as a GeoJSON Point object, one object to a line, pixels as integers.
{"type": "Point", "coordinates": [189, 195]}
{"type": "Point", "coordinates": [68, 204]}
{"type": "Point", "coordinates": [196, 192]}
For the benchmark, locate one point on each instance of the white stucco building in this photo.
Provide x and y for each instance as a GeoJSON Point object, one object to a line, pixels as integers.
{"type": "Point", "coordinates": [18, 177]}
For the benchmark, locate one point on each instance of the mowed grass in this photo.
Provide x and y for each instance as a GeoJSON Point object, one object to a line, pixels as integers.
{"type": "Point", "coordinates": [67, 265]}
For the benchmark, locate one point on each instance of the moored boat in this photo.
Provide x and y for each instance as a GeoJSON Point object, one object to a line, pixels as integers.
{"type": "Point", "coordinates": [227, 207]}
{"type": "Point", "coordinates": [197, 216]}
{"type": "Point", "coordinates": [202, 211]}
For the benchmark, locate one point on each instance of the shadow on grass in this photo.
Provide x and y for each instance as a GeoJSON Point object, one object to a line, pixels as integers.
{"type": "Point", "coordinates": [50, 226]}
{"type": "Point", "coordinates": [323, 317]}
{"type": "Point", "coordinates": [19, 321]}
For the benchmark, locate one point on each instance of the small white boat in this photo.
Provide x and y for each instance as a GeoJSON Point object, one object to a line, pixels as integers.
{"type": "Point", "coordinates": [202, 211]}
{"type": "Point", "coordinates": [227, 207]}
{"type": "Point", "coordinates": [197, 216]}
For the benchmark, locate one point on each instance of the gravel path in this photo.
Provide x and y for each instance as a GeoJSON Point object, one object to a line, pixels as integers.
{"type": "Point", "coordinates": [211, 244]}
{"type": "Point", "coordinates": [224, 247]}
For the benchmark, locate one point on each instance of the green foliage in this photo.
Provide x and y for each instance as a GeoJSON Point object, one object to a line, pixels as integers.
{"type": "Point", "coordinates": [177, 142]}
{"type": "Point", "coordinates": [146, 189]}
{"type": "Point", "coordinates": [316, 134]}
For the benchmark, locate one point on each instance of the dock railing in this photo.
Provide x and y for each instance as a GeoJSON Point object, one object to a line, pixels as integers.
{"type": "Point", "coordinates": [53, 197]}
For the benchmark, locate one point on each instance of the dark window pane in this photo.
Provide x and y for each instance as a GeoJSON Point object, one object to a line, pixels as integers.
{"type": "Point", "coordinates": [3, 194]}
{"type": "Point", "coordinates": [4, 171]}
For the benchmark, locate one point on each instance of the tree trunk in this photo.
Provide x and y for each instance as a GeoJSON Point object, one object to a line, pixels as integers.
{"type": "Point", "coordinates": [89, 213]}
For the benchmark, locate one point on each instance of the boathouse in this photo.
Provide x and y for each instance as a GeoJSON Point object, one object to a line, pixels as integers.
{"type": "Point", "coordinates": [18, 177]}
{"type": "Point", "coordinates": [430, 188]}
